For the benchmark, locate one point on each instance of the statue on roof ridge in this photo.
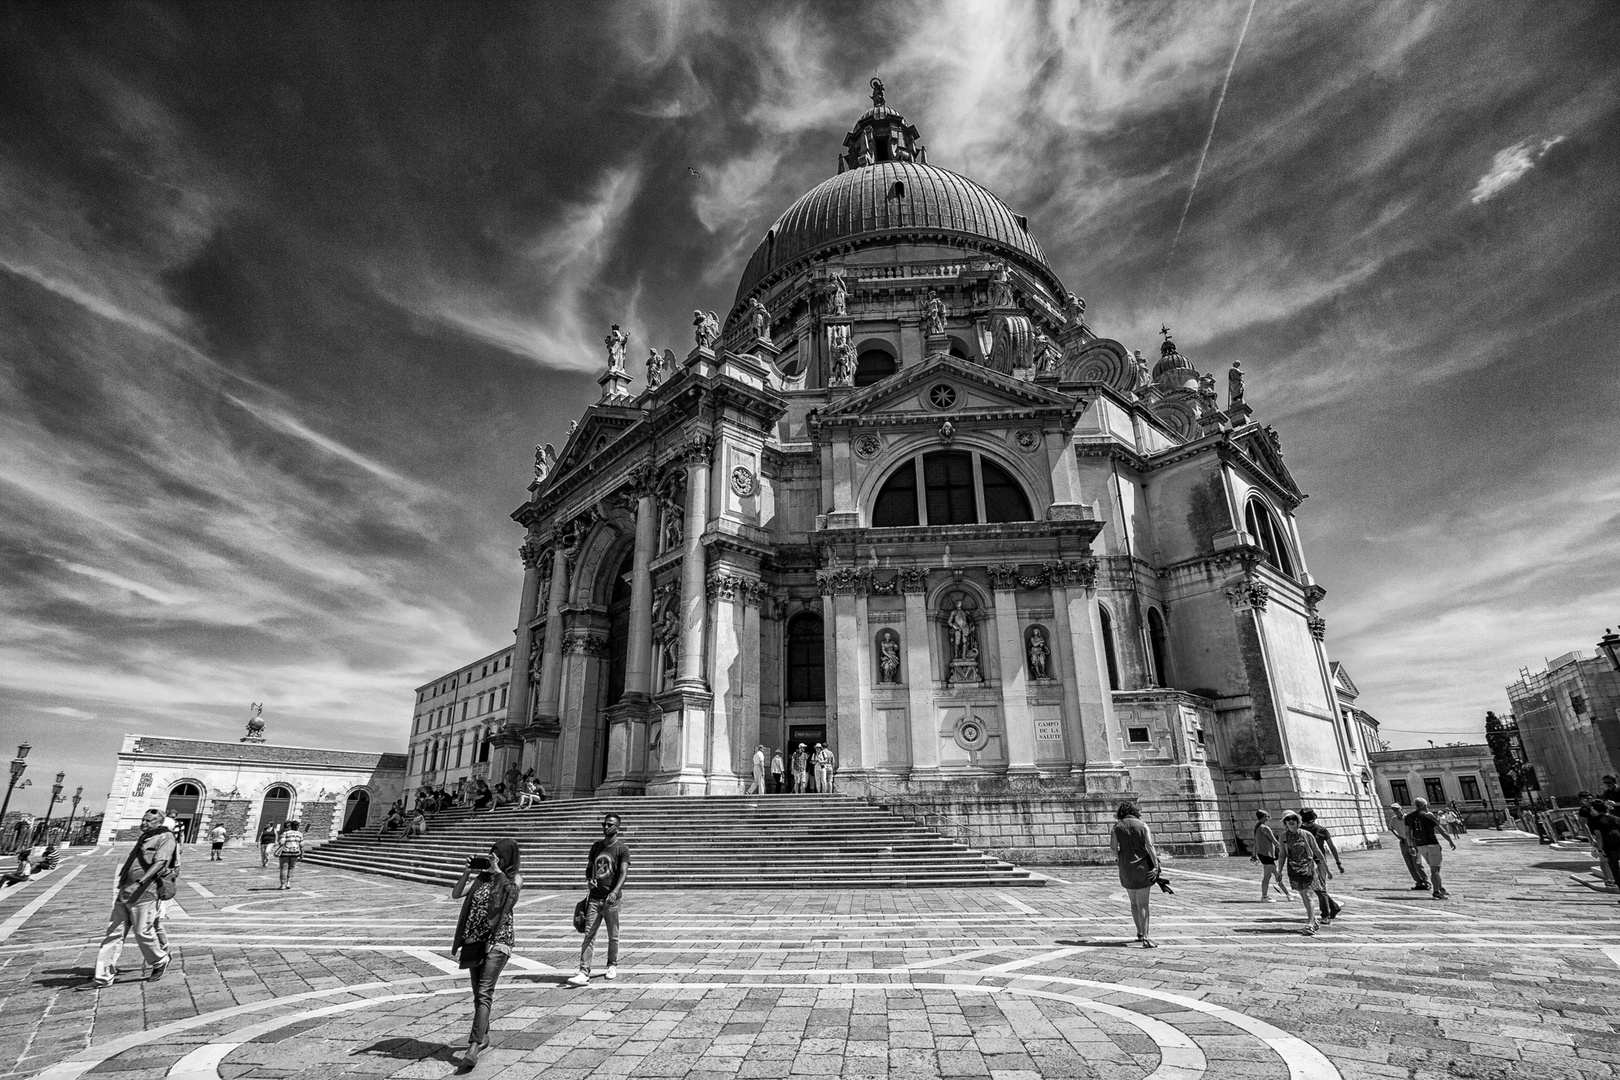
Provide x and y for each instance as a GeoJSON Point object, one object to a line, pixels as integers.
{"type": "Point", "coordinates": [759, 318]}
{"type": "Point", "coordinates": [708, 328]}
{"type": "Point", "coordinates": [616, 341]}
{"type": "Point", "coordinates": [878, 101]}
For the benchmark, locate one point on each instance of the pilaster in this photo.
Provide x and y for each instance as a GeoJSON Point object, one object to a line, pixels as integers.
{"type": "Point", "coordinates": [1014, 678]}
{"type": "Point", "coordinates": [920, 676]}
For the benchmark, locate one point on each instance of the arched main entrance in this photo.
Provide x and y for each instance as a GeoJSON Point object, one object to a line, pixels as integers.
{"type": "Point", "coordinates": [617, 659]}
{"type": "Point", "coordinates": [277, 805]}
{"type": "Point", "coordinates": [357, 810]}
{"type": "Point", "coordinates": [185, 799]}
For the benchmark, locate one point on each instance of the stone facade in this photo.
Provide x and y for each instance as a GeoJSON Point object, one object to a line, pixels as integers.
{"type": "Point", "coordinates": [1464, 776]}
{"type": "Point", "coordinates": [233, 782]}
{"type": "Point", "coordinates": [1569, 723]}
{"type": "Point", "coordinates": [456, 719]}
{"type": "Point", "coordinates": [904, 500]}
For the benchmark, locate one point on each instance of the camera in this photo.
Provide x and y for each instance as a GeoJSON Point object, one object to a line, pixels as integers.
{"type": "Point", "coordinates": [478, 862]}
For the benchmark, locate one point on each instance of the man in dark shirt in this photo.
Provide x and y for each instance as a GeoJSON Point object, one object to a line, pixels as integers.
{"type": "Point", "coordinates": [1426, 832]}
{"type": "Point", "coordinates": [605, 871]}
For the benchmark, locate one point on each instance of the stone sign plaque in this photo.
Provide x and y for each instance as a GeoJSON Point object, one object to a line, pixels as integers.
{"type": "Point", "coordinates": [1049, 730]}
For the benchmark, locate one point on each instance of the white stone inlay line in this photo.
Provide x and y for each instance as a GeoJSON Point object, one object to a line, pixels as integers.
{"type": "Point", "coordinates": [428, 956]}
{"type": "Point", "coordinates": [13, 924]}
{"type": "Point", "coordinates": [1029, 961]}
{"type": "Point", "coordinates": [1018, 904]}
{"type": "Point", "coordinates": [1612, 952]}
{"type": "Point", "coordinates": [1304, 1061]}
{"type": "Point", "coordinates": [201, 891]}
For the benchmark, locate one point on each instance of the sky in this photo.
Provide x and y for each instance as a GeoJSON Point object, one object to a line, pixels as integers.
{"type": "Point", "coordinates": [289, 292]}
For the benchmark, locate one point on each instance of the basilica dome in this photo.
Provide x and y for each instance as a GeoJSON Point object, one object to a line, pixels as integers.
{"type": "Point", "coordinates": [886, 192]}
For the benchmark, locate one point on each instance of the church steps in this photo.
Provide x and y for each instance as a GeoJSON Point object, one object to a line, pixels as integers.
{"type": "Point", "coordinates": [806, 841]}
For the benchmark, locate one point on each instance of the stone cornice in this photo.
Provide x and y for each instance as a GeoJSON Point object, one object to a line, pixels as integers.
{"type": "Point", "coordinates": [998, 536]}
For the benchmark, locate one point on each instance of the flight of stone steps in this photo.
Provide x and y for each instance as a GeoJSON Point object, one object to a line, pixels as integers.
{"type": "Point", "coordinates": [774, 841]}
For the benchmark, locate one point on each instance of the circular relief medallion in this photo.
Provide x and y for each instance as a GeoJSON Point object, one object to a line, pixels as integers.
{"type": "Point", "coordinates": [867, 446]}
{"type": "Point", "coordinates": [742, 481]}
{"type": "Point", "coordinates": [1028, 439]}
{"type": "Point", "coordinates": [971, 734]}
{"type": "Point", "coordinates": [942, 396]}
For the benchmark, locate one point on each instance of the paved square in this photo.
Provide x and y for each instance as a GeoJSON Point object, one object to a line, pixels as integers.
{"type": "Point", "coordinates": [345, 976]}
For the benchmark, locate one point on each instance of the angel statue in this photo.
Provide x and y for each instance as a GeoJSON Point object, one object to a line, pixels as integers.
{"type": "Point", "coordinates": [708, 328]}
{"type": "Point", "coordinates": [837, 294]}
{"type": "Point", "coordinates": [545, 459]}
{"type": "Point", "coordinates": [759, 318]}
{"type": "Point", "coordinates": [934, 315]}
{"type": "Point", "coordinates": [1001, 291]}
{"type": "Point", "coordinates": [843, 364]}
{"type": "Point", "coordinates": [1075, 308]}
{"type": "Point", "coordinates": [655, 368]}
{"type": "Point", "coordinates": [616, 341]}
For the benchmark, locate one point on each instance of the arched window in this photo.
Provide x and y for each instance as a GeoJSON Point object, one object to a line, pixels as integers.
{"type": "Point", "coordinates": [277, 805]}
{"type": "Point", "coordinates": [959, 487]}
{"type": "Point", "coordinates": [184, 800]}
{"type": "Point", "coordinates": [1261, 524]}
{"type": "Point", "coordinates": [806, 660]}
{"type": "Point", "coordinates": [1160, 646]}
{"type": "Point", "coordinates": [959, 349]}
{"type": "Point", "coordinates": [874, 365]}
{"type": "Point", "coordinates": [1108, 647]}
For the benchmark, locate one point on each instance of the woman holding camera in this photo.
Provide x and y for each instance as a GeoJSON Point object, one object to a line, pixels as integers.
{"type": "Point", "coordinates": [484, 933]}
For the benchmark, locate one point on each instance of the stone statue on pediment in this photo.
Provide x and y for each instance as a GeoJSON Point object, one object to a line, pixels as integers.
{"type": "Point", "coordinates": [837, 294]}
{"type": "Point", "coordinates": [655, 368]}
{"type": "Point", "coordinates": [759, 320]}
{"type": "Point", "coordinates": [707, 325]}
{"type": "Point", "coordinates": [616, 341]}
{"type": "Point", "coordinates": [545, 459]}
{"type": "Point", "coordinates": [1001, 291]}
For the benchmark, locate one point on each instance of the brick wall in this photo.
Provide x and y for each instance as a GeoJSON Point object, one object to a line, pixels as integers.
{"type": "Point", "coordinates": [316, 819]}
{"type": "Point", "coordinates": [231, 813]}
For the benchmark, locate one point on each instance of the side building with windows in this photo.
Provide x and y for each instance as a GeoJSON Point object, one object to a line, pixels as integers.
{"type": "Point", "coordinates": [1462, 776]}
{"type": "Point", "coordinates": [1569, 723]}
{"type": "Point", "coordinates": [905, 500]}
{"type": "Point", "coordinates": [247, 785]}
{"type": "Point", "coordinates": [455, 721]}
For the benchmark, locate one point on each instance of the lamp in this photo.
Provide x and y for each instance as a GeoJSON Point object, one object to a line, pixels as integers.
{"type": "Point", "coordinates": [1610, 644]}
{"type": "Point", "coordinates": [17, 767]}
{"type": "Point", "coordinates": [78, 793]}
{"type": "Point", "coordinates": [50, 807]}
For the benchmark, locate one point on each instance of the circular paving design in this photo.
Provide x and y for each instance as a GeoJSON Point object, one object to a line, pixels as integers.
{"type": "Point", "coordinates": [1019, 1029]}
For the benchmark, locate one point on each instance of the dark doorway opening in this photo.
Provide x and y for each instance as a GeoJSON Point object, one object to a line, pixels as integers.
{"type": "Point", "coordinates": [184, 802]}
{"type": "Point", "coordinates": [357, 810]}
{"type": "Point", "coordinates": [277, 805]}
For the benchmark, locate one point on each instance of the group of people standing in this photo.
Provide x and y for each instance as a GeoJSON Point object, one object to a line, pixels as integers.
{"type": "Point", "coordinates": [1601, 816]}
{"type": "Point", "coordinates": [807, 766]}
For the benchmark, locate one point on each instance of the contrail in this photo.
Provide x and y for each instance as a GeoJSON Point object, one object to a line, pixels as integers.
{"type": "Point", "coordinates": [1209, 138]}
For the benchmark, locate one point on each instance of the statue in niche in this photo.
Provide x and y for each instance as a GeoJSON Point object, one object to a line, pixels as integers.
{"type": "Point", "coordinates": [1234, 385]}
{"type": "Point", "coordinates": [837, 294]}
{"type": "Point", "coordinates": [888, 657]}
{"type": "Point", "coordinates": [616, 341]}
{"type": "Point", "coordinates": [668, 635]}
{"type": "Point", "coordinates": [1039, 653]}
{"type": "Point", "coordinates": [934, 314]}
{"type": "Point", "coordinates": [1001, 292]}
{"type": "Point", "coordinates": [673, 522]}
{"type": "Point", "coordinates": [707, 325]}
{"type": "Point", "coordinates": [655, 369]}
{"type": "Point", "coordinates": [843, 364]}
{"type": "Point", "coordinates": [759, 318]}
{"type": "Point", "coordinates": [545, 459]}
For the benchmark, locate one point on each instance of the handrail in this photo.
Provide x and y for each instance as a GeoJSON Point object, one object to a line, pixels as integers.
{"type": "Point", "coordinates": [902, 797]}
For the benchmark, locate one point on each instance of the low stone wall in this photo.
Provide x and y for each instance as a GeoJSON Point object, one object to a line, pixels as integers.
{"type": "Point", "coordinates": [1045, 821]}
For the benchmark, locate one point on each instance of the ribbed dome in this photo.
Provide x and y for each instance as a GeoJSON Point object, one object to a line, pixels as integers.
{"type": "Point", "coordinates": [863, 204]}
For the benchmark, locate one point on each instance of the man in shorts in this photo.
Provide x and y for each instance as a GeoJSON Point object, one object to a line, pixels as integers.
{"type": "Point", "coordinates": [1397, 825]}
{"type": "Point", "coordinates": [216, 844]}
{"type": "Point", "coordinates": [1425, 831]}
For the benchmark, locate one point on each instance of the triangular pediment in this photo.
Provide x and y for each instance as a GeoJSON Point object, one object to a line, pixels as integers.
{"type": "Point", "coordinates": [976, 389]}
{"type": "Point", "coordinates": [1260, 446]}
{"type": "Point", "coordinates": [602, 425]}
{"type": "Point", "coordinates": [1342, 681]}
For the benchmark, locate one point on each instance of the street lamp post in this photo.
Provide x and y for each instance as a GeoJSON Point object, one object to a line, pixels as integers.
{"type": "Point", "coordinates": [78, 793]}
{"type": "Point", "coordinates": [50, 807]}
{"type": "Point", "coordinates": [17, 767]}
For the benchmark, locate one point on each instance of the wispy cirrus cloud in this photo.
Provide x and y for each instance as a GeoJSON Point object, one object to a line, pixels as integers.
{"type": "Point", "coordinates": [1509, 166]}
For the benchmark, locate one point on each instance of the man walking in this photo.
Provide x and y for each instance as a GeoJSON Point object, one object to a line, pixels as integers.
{"type": "Point", "coordinates": [136, 905]}
{"type": "Point", "coordinates": [605, 870]}
{"type": "Point", "coordinates": [758, 786]}
{"type": "Point", "coordinates": [267, 840]}
{"type": "Point", "coordinates": [216, 844]}
{"type": "Point", "coordinates": [1397, 825]}
{"type": "Point", "coordinates": [1425, 831]}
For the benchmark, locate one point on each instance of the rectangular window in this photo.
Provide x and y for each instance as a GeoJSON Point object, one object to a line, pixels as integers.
{"type": "Point", "coordinates": [1138, 735]}
{"type": "Point", "coordinates": [508, 661]}
{"type": "Point", "coordinates": [1470, 788]}
{"type": "Point", "coordinates": [464, 705]}
{"type": "Point", "coordinates": [1434, 790]}
{"type": "Point", "coordinates": [1398, 792]}
{"type": "Point", "coordinates": [503, 697]}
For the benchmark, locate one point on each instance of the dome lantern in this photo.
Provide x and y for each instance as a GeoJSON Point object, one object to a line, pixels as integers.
{"type": "Point", "coordinates": [881, 134]}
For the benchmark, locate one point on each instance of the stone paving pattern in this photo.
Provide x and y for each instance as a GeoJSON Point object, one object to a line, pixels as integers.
{"type": "Point", "coordinates": [1516, 977]}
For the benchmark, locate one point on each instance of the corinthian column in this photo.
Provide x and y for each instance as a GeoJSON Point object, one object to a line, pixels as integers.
{"type": "Point", "coordinates": [547, 708]}
{"type": "Point", "coordinates": [517, 699]}
{"type": "Point", "coordinates": [694, 576]}
{"type": "Point", "coordinates": [638, 660]}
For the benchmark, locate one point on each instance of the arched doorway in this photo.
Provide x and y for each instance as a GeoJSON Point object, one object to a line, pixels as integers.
{"type": "Point", "coordinates": [357, 810]}
{"type": "Point", "coordinates": [185, 799]}
{"type": "Point", "coordinates": [277, 805]}
{"type": "Point", "coordinates": [616, 661]}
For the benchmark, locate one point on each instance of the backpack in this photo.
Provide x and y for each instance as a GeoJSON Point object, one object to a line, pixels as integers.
{"type": "Point", "coordinates": [168, 882]}
{"type": "Point", "coordinates": [1301, 867]}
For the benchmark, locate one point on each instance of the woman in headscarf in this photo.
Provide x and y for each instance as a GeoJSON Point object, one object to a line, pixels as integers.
{"type": "Point", "coordinates": [484, 934]}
